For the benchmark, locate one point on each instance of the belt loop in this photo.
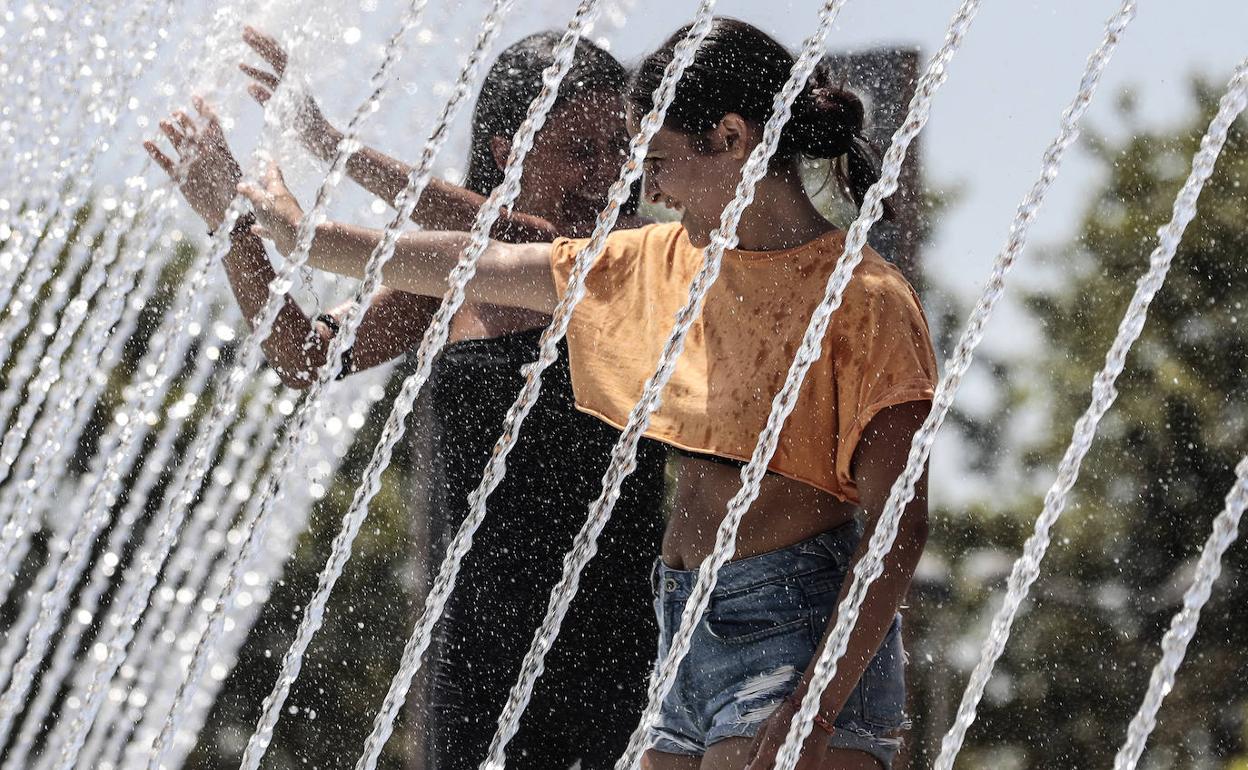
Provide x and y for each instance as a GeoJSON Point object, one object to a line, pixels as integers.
{"type": "Point", "coordinates": [840, 543]}
{"type": "Point", "coordinates": [654, 577]}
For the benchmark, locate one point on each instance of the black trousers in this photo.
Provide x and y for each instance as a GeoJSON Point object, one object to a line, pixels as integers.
{"type": "Point", "coordinates": [593, 689]}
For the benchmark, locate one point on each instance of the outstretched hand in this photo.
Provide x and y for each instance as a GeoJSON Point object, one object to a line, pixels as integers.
{"type": "Point", "coordinates": [313, 129]}
{"type": "Point", "coordinates": [205, 170]}
{"type": "Point", "coordinates": [277, 212]}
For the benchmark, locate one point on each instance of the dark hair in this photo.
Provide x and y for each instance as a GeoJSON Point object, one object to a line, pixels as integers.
{"type": "Point", "coordinates": [514, 80]}
{"type": "Point", "coordinates": [739, 69]}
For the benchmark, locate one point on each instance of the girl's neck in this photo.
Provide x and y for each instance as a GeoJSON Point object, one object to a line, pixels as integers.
{"type": "Point", "coordinates": [782, 215]}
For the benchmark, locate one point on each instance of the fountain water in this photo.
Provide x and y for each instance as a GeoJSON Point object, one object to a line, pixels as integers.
{"type": "Point", "coordinates": [180, 609]}
{"type": "Point", "coordinates": [1027, 568]}
{"type": "Point", "coordinates": [406, 202]}
{"type": "Point", "coordinates": [1183, 627]}
{"type": "Point", "coordinates": [253, 434]}
{"type": "Point", "coordinates": [56, 199]}
{"type": "Point", "coordinates": [102, 494]}
{"type": "Point", "coordinates": [55, 600]}
{"type": "Point", "coordinates": [432, 343]}
{"type": "Point", "coordinates": [191, 566]}
{"type": "Point", "coordinates": [184, 486]}
{"type": "Point", "coordinates": [102, 574]}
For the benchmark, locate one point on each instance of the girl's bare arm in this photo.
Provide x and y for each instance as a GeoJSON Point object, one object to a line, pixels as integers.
{"type": "Point", "coordinates": [442, 206]}
{"type": "Point", "coordinates": [513, 275]}
{"type": "Point", "coordinates": [881, 456]}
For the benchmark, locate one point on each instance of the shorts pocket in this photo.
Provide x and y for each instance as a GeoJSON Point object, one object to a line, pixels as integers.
{"type": "Point", "coordinates": [767, 610]}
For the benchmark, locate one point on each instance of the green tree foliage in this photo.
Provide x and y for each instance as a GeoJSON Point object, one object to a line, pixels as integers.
{"type": "Point", "coordinates": [1079, 660]}
{"type": "Point", "coordinates": [356, 653]}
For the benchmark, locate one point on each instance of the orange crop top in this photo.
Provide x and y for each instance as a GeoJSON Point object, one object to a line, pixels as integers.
{"type": "Point", "coordinates": [877, 352]}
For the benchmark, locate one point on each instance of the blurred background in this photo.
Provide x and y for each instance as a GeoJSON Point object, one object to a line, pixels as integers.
{"type": "Point", "coordinates": [1123, 554]}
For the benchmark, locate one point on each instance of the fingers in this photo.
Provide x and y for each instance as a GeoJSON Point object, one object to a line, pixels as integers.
{"type": "Point", "coordinates": [267, 47]}
{"type": "Point", "coordinates": [264, 78]}
{"type": "Point", "coordinates": [204, 109]}
{"type": "Point", "coordinates": [260, 200]}
{"type": "Point", "coordinates": [273, 178]}
{"type": "Point", "coordinates": [161, 159]}
{"type": "Point", "coordinates": [185, 122]}
{"type": "Point", "coordinates": [174, 133]}
{"type": "Point", "coordinates": [274, 186]}
{"type": "Point", "coordinates": [259, 93]}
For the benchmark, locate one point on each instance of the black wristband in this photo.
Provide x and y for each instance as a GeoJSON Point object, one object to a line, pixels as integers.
{"type": "Point", "coordinates": [334, 328]}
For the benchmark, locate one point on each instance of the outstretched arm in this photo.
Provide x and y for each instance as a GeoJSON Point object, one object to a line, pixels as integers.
{"type": "Point", "coordinates": [208, 175]}
{"type": "Point", "coordinates": [513, 275]}
{"type": "Point", "coordinates": [442, 206]}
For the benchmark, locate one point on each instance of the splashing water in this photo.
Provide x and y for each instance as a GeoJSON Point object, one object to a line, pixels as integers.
{"type": "Point", "coordinates": [379, 85]}
{"type": "Point", "coordinates": [78, 411]}
{"type": "Point", "coordinates": [134, 257]}
{"type": "Point", "coordinates": [53, 432]}
{"type": "Point", "coordinates": [184, 486]}
{"type": "Point", "coordinates": [67, 642]}
{"type": "Point", "coordinates": [32, 353]}
{"type": "Point", "coordinates": [112, 287]}
{"type": "Point", "coordinates": [435, 337]}
{"type": "Point", "coordinates": [444, 583]}
{"type": "Point", "coordinates": [66, 188]}
{"type": "Point", "coordinates": [48, 121]}
{"type": "Point", "coordinates": [406, 203]}
{"type": "Point", "coordinates": [1027, 568]}
{"type": "Point", "coordinates": [266, 565]}
{"type": "Point", "coordinates": [54, 602]}
{"type": "Point", "coordinates": [206, 536]}
{"type": "Point", "coordinates": [97, 506]}
{"type": "Point", "coordinates": [30, 610]}
{"type": "Point", "coordinates": [1183, 626]}
{"type": "Point", "coordinates": [16, 527]}
{"type": "Point", "coordinates": [64, 381]}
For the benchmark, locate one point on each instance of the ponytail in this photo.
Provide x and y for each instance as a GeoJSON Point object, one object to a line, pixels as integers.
{"type": "Point", "coordinates": [828, 123]}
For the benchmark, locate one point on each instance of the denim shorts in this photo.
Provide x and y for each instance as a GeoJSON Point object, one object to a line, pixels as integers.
{"type": "Point", "coordinates": [758, 636]}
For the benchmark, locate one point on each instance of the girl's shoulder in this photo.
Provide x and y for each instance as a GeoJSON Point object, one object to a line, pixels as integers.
{"type": "Point", "coordinates": [878, 282]}
{"type": "Point", "coordinates": [627, 247]}
{"type": "Point", "coordinates": [651, 237]}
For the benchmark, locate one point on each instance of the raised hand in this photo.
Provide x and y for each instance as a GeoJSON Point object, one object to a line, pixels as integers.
{"type": "Point", "coordinates": [277, 212]}
{"type": "Point", "coordinates": [205, 170]}
{"type": "Point", "coordinates": [314, 130]}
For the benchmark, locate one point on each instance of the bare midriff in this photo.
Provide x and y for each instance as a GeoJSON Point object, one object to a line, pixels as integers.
{"type": "Point", "coordinates": [786, 512]}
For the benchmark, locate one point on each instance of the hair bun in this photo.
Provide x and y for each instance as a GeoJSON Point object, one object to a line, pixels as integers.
{"type": "Point", "coordinates": [839, 105]}
{"type": "Point", "coordinates": [826, 119]}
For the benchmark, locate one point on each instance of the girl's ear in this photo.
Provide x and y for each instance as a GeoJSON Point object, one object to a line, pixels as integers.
{"type": "Point", "coordinates": [732, 135]}
{"type": "Point", "coordinates": [500, 148]}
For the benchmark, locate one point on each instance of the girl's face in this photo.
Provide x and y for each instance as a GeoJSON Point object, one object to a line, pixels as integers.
{"type": "Point", "coordinates": [696, 175]}
{"type": "Point", "coordinates": [575, 158]}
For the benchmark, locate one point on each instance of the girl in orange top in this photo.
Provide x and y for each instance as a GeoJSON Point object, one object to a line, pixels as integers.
{"type": "Point", "coordinates": [844, 445]}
